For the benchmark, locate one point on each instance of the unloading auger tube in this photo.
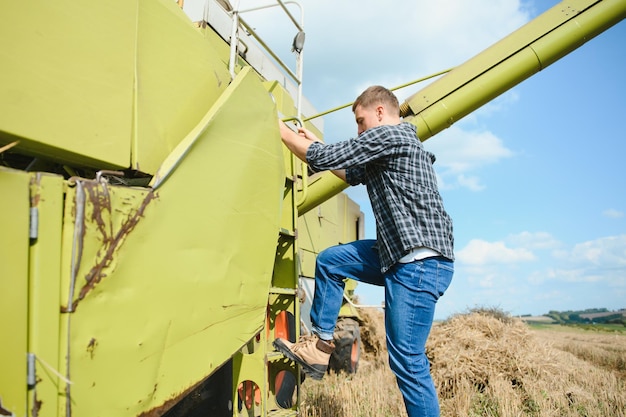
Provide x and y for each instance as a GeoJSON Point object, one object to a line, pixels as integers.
{"type": "Point", "coordinates": [543, 41]}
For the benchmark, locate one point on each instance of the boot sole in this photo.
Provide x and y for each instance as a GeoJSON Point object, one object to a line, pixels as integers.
{"type": "Point", "coordinates": [308, 369]}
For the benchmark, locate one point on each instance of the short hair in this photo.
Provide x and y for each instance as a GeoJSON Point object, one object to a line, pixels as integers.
{"type": "Point", "coordinates": [377, 94]}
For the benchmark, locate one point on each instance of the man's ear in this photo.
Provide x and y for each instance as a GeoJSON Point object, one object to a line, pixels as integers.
{"type": "Point", "coordinates": [380, 112]}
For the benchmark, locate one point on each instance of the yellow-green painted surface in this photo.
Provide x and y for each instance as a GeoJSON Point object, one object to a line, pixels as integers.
{"type": "Point", "coordinates": [171, 283]}
{"type": "Point", "coordinates": [338, 220]}
{"type": "Point", "coordinates": [114, 84]}
{"type": "Point", "coordinates": [14, 226]}
{"type": "Point", "coordinates": [46, 196]}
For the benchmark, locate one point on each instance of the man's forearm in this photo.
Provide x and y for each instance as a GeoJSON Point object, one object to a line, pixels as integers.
{"type": "Point", "coordinates": [297, 144]}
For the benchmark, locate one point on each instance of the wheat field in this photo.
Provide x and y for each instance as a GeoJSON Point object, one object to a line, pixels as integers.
{"type": "Point", "coordinates": [486, 363]}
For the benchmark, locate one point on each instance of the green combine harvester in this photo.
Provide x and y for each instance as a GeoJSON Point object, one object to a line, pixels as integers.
{"type": "Point", "coordinates": [156, 235]}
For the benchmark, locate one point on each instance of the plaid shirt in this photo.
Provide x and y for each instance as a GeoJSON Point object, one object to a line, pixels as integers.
{"type": "Point", "coordinates": [400, 179]}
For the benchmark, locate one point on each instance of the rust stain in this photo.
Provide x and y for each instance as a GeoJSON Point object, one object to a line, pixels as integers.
{"type": "Point", "coordinates": [36, 406]}
{"type": "Point", "coordinates": [101, 202]}
{"type": "Point", "coordinates": [162, 409]}
{"type": "Point", "coordinates": [4, 411]}
{"type": "Point", "coordinates": [35, 183]}
{"type": "Point", "coordinates": [111, 241]}
{"type": "Point", "coordinates": [91, 347]}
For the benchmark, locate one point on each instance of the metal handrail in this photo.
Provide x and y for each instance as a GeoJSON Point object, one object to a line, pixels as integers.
{"type": "Point", "coordinates": [303, 167]}
{"type": "Point", "coordinates": [343, 106]}
{"type": "Point", "coordinates": [234, 41]}
{"type": "Point", "coordinates": [283, 5]}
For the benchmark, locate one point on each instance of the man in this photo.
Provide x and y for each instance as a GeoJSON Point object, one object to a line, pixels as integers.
{"type": "Point", "coordinates": [412, 256]}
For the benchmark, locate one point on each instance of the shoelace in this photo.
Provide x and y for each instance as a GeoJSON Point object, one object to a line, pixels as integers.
{"type": "Point", "coordinates": [304, 342]}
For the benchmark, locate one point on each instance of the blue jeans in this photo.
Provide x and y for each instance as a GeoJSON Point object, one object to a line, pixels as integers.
{"type": "Point", "coordinates": [411, 292]}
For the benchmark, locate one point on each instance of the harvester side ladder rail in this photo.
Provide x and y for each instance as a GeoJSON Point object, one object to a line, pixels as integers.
{"type": "Point", "coordinates": [297, 48]}
{"type": "Point", "coordinates": [237, 20]}
{"type": "Point", "coordinates": [304, 169]}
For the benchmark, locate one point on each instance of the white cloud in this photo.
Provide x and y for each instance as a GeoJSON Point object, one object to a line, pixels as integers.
{"type": "Point", "coordinates": [476, 24]}
{"type": "Point", "coordinates": [553, 296]}
{"type": "Point", "coordinates": [585, 275]}
{"type": "Point", "coordinates": [597, 261]}
{"type": "Point", "coordinates": [504, 101]}
{"type": "Point", "coordinates": [534, 240]}
{"type": "Point", "coordinates": [481, 252]}
{"type": "Point", "coordinates": [460, 153]}
{"type": "Point", "coordinates": [613, 213]}
{"type": "Point", "coordinates": [605, 252]}
{"type": "Point", "coordinates": [368, 43]}
{"type": "Point", "coordinates": [470, 182]}
{"type": "Point", "coordinates": [485, 279]}
{"type": "Point", "coordinates": [419, 38]}
{"type": "Point", "coordinates": [573, 275]}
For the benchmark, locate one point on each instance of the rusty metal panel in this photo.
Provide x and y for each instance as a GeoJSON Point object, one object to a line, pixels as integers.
{"type": "Point", "coordinates": [161, 286]}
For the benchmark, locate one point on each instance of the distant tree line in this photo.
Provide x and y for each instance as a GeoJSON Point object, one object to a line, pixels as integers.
{"type": "Point", "coordinates": [589, 316]}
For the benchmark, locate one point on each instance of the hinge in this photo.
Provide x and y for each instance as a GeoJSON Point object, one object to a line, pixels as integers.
{"type": "Point", "coordinates": [33, 231]}
{"type": "Point", "coordinates": [31, 377]}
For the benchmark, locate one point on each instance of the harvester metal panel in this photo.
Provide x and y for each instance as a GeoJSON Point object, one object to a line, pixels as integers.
{"type": "Point", "coordinates": [67, 79]}
{"type": "Point", "coordinates": [14, 225]}
{"type": "Point", "coordinates": [172, 281]}
{"type": "Point", "coordinates": [108, 84]}
{"type": "Point", "coordinates": [47, 199]}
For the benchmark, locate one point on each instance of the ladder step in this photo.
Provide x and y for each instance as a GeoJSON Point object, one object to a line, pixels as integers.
{"type": "Point", "coordinates": [285, 232]}
{"type": "Point", "coordinates": [284, 291]}
{"type": "Point", "coordinates": [272, 356]}
{"type": "Point", "coordinates": [282, 413]}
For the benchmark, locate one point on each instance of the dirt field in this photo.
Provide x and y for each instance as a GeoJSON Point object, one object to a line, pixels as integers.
{"type": "Point", "coordinates": [488, 364]}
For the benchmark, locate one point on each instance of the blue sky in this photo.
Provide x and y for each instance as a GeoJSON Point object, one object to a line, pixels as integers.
{"type": "Point", "coordinates": [534, 180]}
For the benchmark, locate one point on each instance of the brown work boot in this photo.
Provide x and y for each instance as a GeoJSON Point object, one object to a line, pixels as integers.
{"type": "Point", "coordinates": [311, 352]}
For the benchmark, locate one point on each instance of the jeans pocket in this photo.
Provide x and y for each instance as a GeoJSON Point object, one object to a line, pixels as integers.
{"type": "Point", "coordinates": [445, 271]}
